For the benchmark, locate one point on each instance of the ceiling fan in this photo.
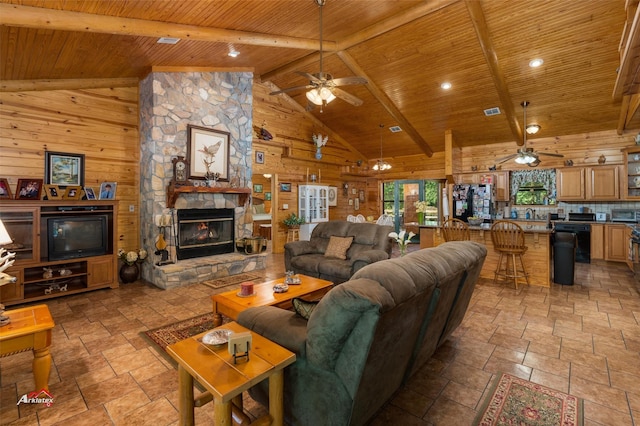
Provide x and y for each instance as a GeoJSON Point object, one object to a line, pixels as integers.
{"type": "Point", "coordinates": [527, 155]}
{"type": "Point", "coordinates": [323, 88]}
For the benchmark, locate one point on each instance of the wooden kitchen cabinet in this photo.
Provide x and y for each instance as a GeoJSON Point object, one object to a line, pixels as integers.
{"type": "Point", "coordinates": [631, 174]}
{"type": "Point", "coordinates": [598, 183]}
{"type": "Point", "coordinates": [603, 183]}
{"type": "Point", "coordinates": [570, 184]}
{"type": "Point", "coordinates": [597, 242]}
{"type": "Point", "coordinates": [502, 185]}
{"type": "Point", "coordinates": [616, 242]}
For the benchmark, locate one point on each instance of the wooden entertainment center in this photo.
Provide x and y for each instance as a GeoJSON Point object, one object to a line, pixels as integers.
{"type": "Point", "coordinates": [82, 264]}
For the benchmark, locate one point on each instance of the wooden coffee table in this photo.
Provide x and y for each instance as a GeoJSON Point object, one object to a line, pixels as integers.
{"type": "Point", "coordinates": [230, 304]}
{"type": "Point", "coordinates": [30, 329]}
{"type": "Point", "coordinates": [214, 369]}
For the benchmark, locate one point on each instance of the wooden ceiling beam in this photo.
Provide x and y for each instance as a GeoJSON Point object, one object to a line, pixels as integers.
{"type": "Point", "coordinates": [362, 36]}
{"type": "Point", "coordinates": [14, 15]}
{"type": "Point", "coordinates": [387, 103]}
{"type": "Point", "coordinates": [65, 84]}
{"type": "Point", "coordinates": [486, 44]}
{"type": "Point", "coordinates": [626, 72]}
{"type": "Point", "coordinates": [628, 109]}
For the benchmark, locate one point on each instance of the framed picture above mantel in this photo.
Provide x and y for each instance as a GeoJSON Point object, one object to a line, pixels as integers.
{"type": "Point", "coordinates": [208, 153]}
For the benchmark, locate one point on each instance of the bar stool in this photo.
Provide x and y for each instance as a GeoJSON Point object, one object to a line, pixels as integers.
{"type": "Point", "coordinates": [508, 239]}
{"type": "Point", "coordinates": [265, 231]}
{"type": "Point", "coordinates": [293, 234]}
{"type": "Point", "coordinates": [455, 230]}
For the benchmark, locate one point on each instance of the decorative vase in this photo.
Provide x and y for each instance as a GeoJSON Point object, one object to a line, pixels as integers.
{"type": "Point", "coordinates": [129, 273]}
{"type": "Point", "coordinates": [421, 218]}
{"type": "Point", "coordinates": [318, 153]}
{"type": "Point", "coordinates": [403, 249]}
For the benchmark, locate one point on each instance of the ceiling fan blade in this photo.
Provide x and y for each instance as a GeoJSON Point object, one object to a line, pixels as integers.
{"type": "Point", "coordinates": [291, 89]}
{"type": "Point", "coordinates": [507, 158]}
{"type": "Point", "coordinates": [550, 154]}
{"type": "Point", "coordinates": [347, 97]}
{"type": "Point", "coordinates": [311, 77]}
{"type": "Point", "coordinates": [349, 81]}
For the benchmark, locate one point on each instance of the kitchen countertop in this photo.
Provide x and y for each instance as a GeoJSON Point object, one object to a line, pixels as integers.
{"type": "Point", "coordinates": [541, 229]}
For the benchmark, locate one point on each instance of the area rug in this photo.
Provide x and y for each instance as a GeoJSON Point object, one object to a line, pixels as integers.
{"type": "Point", "coordinates": [231, 280]}
{"type": "Point", "coordinates": [172, 333]}
{"type": "Point", "coordinates": [514, 401]}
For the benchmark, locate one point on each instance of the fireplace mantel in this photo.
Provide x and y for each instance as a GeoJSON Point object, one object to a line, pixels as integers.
{"type": "Point", "coordinates": [174, 191]}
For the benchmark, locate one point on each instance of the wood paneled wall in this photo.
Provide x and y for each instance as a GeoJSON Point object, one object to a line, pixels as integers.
{"type": "Point", "coordinates": [102, 124]}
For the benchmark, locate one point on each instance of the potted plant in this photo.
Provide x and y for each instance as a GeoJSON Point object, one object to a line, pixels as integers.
{"type": "Point", "coordinates": [293, 221]}
{"type": "Point", "coordinates": [129, 270]}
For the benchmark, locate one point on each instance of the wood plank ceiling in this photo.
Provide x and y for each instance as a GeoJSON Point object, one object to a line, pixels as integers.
{"type": "Point", "coordinates": [406, 49]}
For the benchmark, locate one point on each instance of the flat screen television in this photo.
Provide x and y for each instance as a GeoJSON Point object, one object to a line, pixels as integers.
{"type": "Point", "coordinates": [71, 237]}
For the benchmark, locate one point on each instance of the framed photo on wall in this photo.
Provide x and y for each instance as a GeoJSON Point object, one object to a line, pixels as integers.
{"type": "Point", "coordinates": [332, 195]}
{"type": "Point", "coordinates": [259, 157]}
{"type": "Point", "coordinates": [29, 189]}
{"type": "Point", "coordinates": [267, 196]}
{"type": "Point", "coordinates": [5, 189]}
{"type": "Point", "coordinates": [207, 151]}
{"type": "Point", "coordinates": [285, 187]}
{"type": "Point", "coordinates": [52, 192]}
{"type": "Point", "coordinates": [108, 190]}
{"type": "Point", "coordinates": [63, 169]}
{"type": "Point", "coordinates": [257, 188]}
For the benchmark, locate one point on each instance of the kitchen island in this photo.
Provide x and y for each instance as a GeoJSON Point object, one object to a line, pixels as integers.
{"type": "Point", "coordinates": [537, 259]}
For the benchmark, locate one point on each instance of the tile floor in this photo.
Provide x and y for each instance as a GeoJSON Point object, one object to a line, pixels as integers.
{"type": "Point", "coordinates": [583, 339]}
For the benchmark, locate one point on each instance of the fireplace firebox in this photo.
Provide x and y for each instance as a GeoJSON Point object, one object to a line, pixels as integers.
{"type": "Point", "coordinates": [205, 232]}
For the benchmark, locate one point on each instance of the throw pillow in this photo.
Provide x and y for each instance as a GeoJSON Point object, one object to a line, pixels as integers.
{"type": "Point", "coordinates": [258, 209]}
{"type": "Point", "coordinates": [338, 247]}
{"type": "Point", "coordinates": [303, 307]}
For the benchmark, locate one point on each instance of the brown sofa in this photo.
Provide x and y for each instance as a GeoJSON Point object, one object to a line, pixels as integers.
{"type": "Point", "coordinates": [371, 243]}
{"type": "Point", "coordinates": [368, 335]}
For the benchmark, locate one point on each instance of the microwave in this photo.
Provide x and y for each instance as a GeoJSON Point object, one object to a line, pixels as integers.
{"type": "Point", "coordinates": [625, 215]}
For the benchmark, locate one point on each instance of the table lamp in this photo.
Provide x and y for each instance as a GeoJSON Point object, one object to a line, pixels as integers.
{"type": "Point", "coordinates": [6, 260]}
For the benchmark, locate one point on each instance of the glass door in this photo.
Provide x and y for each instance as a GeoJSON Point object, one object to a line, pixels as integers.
{"type": "Point", "coordinates": [400, 200]}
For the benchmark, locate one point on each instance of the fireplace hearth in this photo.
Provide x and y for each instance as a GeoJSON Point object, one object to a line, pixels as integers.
{"type": "Point", "coordinates": [205, 232]}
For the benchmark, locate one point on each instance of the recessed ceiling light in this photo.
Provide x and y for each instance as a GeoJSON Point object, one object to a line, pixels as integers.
{"type": "Point", "coordinates": [233, 53]}
{"type": "Point", "coordinates": [535, 63]}
{"type": "Point", "coordinates": [446, 85]}
{"type": "Point", "coordinates": [168, 40]}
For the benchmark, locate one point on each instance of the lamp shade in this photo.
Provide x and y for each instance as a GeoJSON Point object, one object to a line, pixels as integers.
{"type": "Point", "coordinates": [4, 235]}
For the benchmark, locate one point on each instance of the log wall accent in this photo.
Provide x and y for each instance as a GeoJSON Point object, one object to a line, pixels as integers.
{"type": "Point", "coordinates": [101, 123]}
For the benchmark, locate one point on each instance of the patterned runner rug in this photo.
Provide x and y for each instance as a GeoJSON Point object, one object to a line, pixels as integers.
{"type": "Point", "coordinates": [514, 401]}
{"type": "Point", "coordinates": [231, 280]}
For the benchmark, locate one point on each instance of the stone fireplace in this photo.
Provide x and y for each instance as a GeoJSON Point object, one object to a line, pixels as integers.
{"type": "Point", "coordinates": [169, 102]}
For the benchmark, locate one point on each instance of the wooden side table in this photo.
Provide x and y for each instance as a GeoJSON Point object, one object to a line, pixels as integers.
{"type": "Point", "coordinates": [30, 329]}
{"type": "Point", "coordinates": [214, 369]}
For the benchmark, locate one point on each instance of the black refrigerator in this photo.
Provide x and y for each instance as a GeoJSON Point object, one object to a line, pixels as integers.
{"type": "Point", "coordinates": [472, 200]}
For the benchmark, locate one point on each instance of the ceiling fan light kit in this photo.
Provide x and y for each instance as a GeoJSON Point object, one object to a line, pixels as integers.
{"type": "Point", "coordinates": [527, 155]}
{"type": "Point", "coordinates": [322, 87]}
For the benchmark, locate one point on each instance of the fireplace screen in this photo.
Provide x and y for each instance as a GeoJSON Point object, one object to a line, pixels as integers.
{"type": "Point", "coordinates": [204, 232]}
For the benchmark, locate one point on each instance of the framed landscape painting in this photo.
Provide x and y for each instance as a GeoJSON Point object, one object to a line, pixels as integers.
{"type": "Point", "coordinates": [63, 169]}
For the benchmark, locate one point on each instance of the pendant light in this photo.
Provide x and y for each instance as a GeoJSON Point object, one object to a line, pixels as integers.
{"type": "Point", "coordinates": [381, 165]}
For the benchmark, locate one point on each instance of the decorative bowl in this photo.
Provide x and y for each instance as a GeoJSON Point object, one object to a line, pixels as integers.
{"type": "Point", "coordinates": [280, 288]}
{"type": "Point", "coordinates": [477, 221]}
{"type": "Point", "coordinates": [217, 337]}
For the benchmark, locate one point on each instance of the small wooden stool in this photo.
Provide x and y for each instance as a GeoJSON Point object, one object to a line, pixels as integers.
{"type": "Point", "coordinates": [293, 234]}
